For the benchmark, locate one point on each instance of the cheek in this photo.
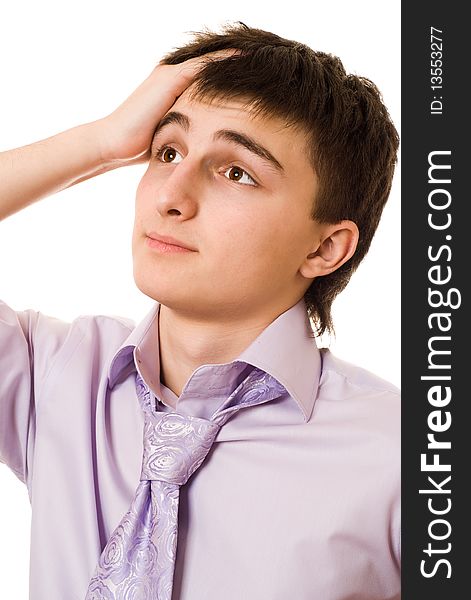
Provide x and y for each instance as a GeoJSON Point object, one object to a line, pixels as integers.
{"type": "Point", "coordinates": [143, 189]}
{"type": "Point", "coordinates": [143, 200]}
{"type": "Point", "coordinates": [250, 240]}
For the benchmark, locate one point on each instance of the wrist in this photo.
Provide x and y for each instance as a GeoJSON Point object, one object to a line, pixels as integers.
{"type": "Point", "coordinates": [96, 140]}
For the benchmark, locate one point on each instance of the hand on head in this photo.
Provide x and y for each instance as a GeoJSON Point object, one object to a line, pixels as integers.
{"type": "Point", "coordinates": [128, 130]}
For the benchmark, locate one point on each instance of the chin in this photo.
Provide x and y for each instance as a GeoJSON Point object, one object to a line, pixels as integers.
{"type": "Point", "coordinates": [153, 287]}
{"type": "Point", "coordinates": [162, 289]}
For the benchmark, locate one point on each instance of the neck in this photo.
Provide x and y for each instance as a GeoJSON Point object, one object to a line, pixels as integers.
{"type": "Point", "coordinates": [186, 344]}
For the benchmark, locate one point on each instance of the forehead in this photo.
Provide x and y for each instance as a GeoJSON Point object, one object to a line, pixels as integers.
{"type": "Point", "coordinates": [210, 113]}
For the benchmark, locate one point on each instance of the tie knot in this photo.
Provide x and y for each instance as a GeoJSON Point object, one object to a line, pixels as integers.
{"type": "Point", "coordinates": [175, 445]}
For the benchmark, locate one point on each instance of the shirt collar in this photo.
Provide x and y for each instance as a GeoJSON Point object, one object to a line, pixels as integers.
{"type": "Point", "coordinates": [284, 349]}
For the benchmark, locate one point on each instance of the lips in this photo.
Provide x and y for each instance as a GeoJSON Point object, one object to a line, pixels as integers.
{"type": "Point", "coordinates": [166, 239]}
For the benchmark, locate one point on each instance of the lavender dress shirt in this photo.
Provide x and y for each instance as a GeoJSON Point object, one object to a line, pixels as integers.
{"type": "Point", "coordinates": [300, 498]}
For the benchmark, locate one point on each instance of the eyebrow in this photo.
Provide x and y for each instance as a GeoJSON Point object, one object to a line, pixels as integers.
{"type": "Point", "coordinates": [229, 135]}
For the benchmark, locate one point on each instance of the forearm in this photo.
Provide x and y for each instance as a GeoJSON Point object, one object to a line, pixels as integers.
{"type": "Point", "coordinates": [32, 172]}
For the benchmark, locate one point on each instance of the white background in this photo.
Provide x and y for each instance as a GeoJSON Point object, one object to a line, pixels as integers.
{"type": "Point", "coordinates": [66, 63]}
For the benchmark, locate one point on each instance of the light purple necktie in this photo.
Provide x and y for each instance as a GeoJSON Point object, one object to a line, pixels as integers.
{"type": "Point", "coordinates": [138, 562]}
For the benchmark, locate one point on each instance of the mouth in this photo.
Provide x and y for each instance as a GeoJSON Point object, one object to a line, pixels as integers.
{"type": "Point", "coordinates": [166, 243]}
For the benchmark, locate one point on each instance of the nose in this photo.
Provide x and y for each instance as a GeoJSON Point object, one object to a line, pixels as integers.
{"type": "Point", "coordinates": [176, 191]}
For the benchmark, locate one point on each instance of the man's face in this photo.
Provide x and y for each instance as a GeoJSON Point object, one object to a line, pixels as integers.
{"type": "Point", "coordinates": [245, 211]}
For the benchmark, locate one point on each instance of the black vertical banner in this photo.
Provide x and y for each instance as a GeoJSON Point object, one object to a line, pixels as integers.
{"type": "Point", "coordinates": [436, 250]}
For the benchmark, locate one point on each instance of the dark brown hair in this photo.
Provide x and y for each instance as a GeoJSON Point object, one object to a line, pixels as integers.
{"type": "Point", "coordinates": [352, 142]}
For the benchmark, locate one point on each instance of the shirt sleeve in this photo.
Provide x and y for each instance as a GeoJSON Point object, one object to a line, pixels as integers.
{"type": "Point", "coordinates": [17, 401]}
{"type": "Point", "coordinates": [30, 343]}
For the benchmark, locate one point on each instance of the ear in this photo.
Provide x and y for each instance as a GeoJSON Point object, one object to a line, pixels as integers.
{"type": "Point", "coordinates": [337, 244]}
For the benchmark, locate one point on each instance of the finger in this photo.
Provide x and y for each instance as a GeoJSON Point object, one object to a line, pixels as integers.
{"type": "Point", "coordinates": [226, 53]}
{"type": "Point", "coordinates": [221, 53]}
{"type": "Point", "coordinates": [193, 65]}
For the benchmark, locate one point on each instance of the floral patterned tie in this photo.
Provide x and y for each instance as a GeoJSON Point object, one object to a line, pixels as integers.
{"type": "Point", "coordinates": [138, 561]}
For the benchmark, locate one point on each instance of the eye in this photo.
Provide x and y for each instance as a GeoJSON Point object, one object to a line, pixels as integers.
{"type": "Point", "coordinates": [237, 174]}
{"type": "Point", "coordinates": [167, 154]}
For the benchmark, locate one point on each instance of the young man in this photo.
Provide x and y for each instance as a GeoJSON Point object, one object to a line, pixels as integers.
{"type": "Point", "coordinates": [268, 171]}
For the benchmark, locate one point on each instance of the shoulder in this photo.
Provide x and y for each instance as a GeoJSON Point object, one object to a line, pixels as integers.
{"type": "Point", "coordinates": [105, 324]}
{"type": "Point", "coordinates": [354, 376]}
{"type": "Point", "coordinates": [81, 348]}
{"type": "Point", "coordinates": [54, 331]}
{"type": "Point", "coordinates": [361, 400]}
{"type": "Point", "coordinates": [46, 333]}
{"type": "Point", "coordinates": [56, 340]}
